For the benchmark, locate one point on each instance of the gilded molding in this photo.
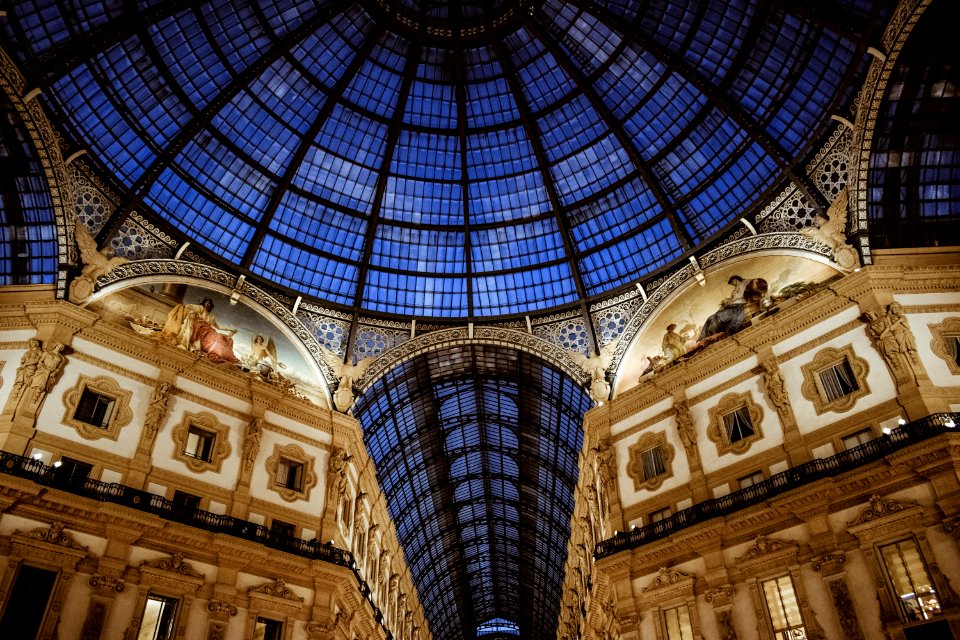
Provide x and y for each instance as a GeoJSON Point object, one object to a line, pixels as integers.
{"type": "Point", "coordinates": [120, 415]}
{"type": "Point", "coordinates": [646, 442]}
{"type": "Point", "coordinates": [174, 564]}
{"type": "Point", "coordinates": [293, 453]}
{"type": "Point", "coordinates": [881, 507]}
{"type": "Point", "coordinates": [717, 431]}
{"type": "Point", "coordinates": [221, 446]}
{"type": "Point", "coordinates": [812, 387]}
{"type": "Point", "coordinates": [278, 589]}
{"type": "Point", "coordinates": [55, 535]}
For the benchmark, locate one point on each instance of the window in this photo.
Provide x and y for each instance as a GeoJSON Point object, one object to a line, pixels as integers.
{"type": "Point", "coordinates": [676, 624]}
{"type": "Point", "coordinates": [737, 425]}
{"type": "Point", "coordinates": [28, 601]}
{"type": "Point", "coordinates": [71, 470]}
{"type": "Point", "coordinates": [186, 501]}
{"type": "Point", "coordinates": [750, 480]}
{"type": "Point", "coordinates": [199, 443]}
{"type": "Point", "coordinates": [281, 529]}
{"type": "Point", "coordinates": [266, 629]}
{"type": "Point", "coordinates": [783, 609]}
{"type": "Point", "coordinates": [661, 514]}
{"type": "Point", "coordinates": [94, 409]}
{"type": "Point", "coordinates": [498, 626]}
{"type": "Point", "coordinates": [838, 381]}
{"type": "Point", "coordinates": [290, 474]}
{"type": "Point", "coordinates": [835, 379]}
{"type": "Point", "coordinates": [856, 439]}
{"type": "Point", "coordinates": [652, 461]}
{"type": "Point", "coordinates": [910, 581]}
{"type": "Point", "coordinates": [159, 617]}
{"type": "Point", "coordinates": [946, 343]}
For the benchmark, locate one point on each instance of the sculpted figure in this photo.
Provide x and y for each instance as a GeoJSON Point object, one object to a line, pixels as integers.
{"type": "Point", "coordinates": [347, 375]}
{"type": "Point", "coordinates": [95, 264]}
{"type": "Point", "coordinates": [831, 230]}
{"type": "Point", "coordinates": [47, 373]}
{"type": "Point", "coordinates": [251, 442]}
{"type": "Point", "coordinates": [688, 433]}
{"type": "Point", "coordinates": [337, 473]}
{"type": "Point", "coordinates": [897, 322]}
{"type": "Point", "coordinates": [596, 365]}
{"type": "Point", "coordinates": [28, 366]}
{"type": "Point", "coordinates": [157, 410]}
{"type": "Point", "coordinates": [890, 334]}
{"type": "Point", "coordinates": [775, 387]}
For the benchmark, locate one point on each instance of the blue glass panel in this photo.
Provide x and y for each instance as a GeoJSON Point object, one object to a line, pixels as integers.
{"type": "Point", "coordinates": [237, 31]}
{"type": "Point", "coordinates": [337, 180]}
{"type": "Point", "coordinates": [418, 249]}
{"type": "Point", "coordinates": [315, 225]}
{"type": "Point", "coordinates": [718, 37]}
{"type": "Point", "coordinates": [658, 120]}
{"type": "Point", "coordinates": [43, 23]}
{"type": "Point", "coordinates": [288, 15]}
{"type": "Point", "coordinates": [669, 21]}
{"type": "Point", "coordinates": [136, 84]}
{"type": "Point", "coordinates": [480, 64]}
{"type": "Point", "coordinates": [705, 148]}
{"type": "Point", "coordinates": [631, 76]}
{"type": "Point", "coordinates": [615, 214]}
{"type": "Point", "coordinates": [305, 271]}
{"type": "Point", "coordinates": [489, 103]}
{"type": "Point", "coordinates": [422, 203]}
{"type": "Point", "coordinates": [631, 259]}
{"type": "Point", "coordinates": [293, 99]}
{"type": "Point", "coordinates": [327, 52]}
{"type": "Point", "coordinates": [590, 170]}
{"type": "Point", "coordinates": [415, 295]}
{"type": "Point", "coordinates": [190, 57]}
{"type": "Point", "coordinates": [544, 82]}
{"type": "Point", "coordinates": [738, 186]}
{"type": "Point", "coordinates": [427, 155]}
{"type": "Point", "coordinates": [217, 169]}
{"type": "Point", "coordinates": [516, 247]}
{"type": "Point", "coordinates": [222, 230]}
{"type": "Point", "coordinates": [376, 86]}
{"type": "Point", "coordinates": [101, 125]}
{"type": "Point", "coordinates": [350, 135]}
{"type": "Point", "coordinates": [510, 198]}
{"type": "Point", "coordinates": [523, 291]}
{"type": "Point", "coordinates": [569, 128]}
{"type": "Point", "coordinates": [498, 153]}
{"type": "Point", "coordinates": [269, 142]}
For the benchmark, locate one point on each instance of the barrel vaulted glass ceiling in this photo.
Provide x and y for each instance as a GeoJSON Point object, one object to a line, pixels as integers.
{"type": "Point", "coordinates": [448, 159]}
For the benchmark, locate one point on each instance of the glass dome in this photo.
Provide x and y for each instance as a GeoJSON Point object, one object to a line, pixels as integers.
{"type": "Point", "coordinates": [444, 159]}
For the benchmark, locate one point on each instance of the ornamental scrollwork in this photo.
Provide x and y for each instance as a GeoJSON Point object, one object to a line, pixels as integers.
{"type": "Point", "coordinates": [55, 535]}
{"type": "Point", "coordinates": [277, 589]}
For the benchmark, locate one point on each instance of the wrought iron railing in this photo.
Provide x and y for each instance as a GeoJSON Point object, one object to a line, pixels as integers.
{"type": "Point", "coordinates": [61, 478]}
{"type": "Point", "coordinates": [894, 440]}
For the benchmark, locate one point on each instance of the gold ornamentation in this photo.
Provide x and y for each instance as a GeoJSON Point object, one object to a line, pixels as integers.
{"type": "Point", "coordinates": [720, 596]}
{"type": "Point", "coordinates": [277, 589]}
{"type": "Point", "coordinates": [717, 431]}
{"type": "Point", "coordinates": [943, 333]}
{"type": "Point", "coordinates": [830, 562]}
{"type": "Point", "coordinates": [812, 387]}
{"type": "Point", "coordinates": [221, 607]}
{"type": "Point", "coordinates": [218, 452]}
{"type": "Point", "coordinates": [667, 577]}
{"type": "Point", "coordinates": [763, 546]}
{"type": "Point", "coordinates": [120, 414]}
{"type": "Point", "coordinates": [55, 535]}
{"type": "Point", "coordinates": [308, 481]}
{"type": "Point", "coordinates": [174, 564]}
{"type": "Point", "coordinates": [881, 507]}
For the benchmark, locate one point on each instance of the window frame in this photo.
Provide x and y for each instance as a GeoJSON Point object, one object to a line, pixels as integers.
{"type": "Point", "coordinates": [291, 453]}
{"type": "Point", "coordinates": [739, 403]}
{"type": "Point", "coordinates": [105, 387]}
{"type": "Point", "coordinates": [798, 597]}
{"type": "Point", "coordinates": [892, 588]}
{"type": "Point", "coordinates": [860, 441]}
{"type": "Point", "coordinates": [172, 624]}
{"type": "Point", "coordinates": [813, 389]}
{"type": "Point", "coordinates": [219, 450]}
{"type": "Point", "coordinates": [942, 335]}
{"type": "Point", "coordinates": [635, 468]}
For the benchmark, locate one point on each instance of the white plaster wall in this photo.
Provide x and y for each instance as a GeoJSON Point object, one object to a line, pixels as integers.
{"type": "Point", "coordinates": [681, 470]}
{"type": "Point", "coordinates": [117, 358]}
{"type": "Point", "coordinates": [260, 486]}
{"type": "Point", "coordinates": [288, 423]}
{"type": "Point", "coordinates": [52, 413]}
{"type": "Point", "coordinates": [164, 446]}
{"type": "Point", "coordinates": [722, 376]}
{"type": "Point", "coordinates": [640, 416]}
{"type": "Point", "coordinates": [213, 395]}
{"type": "Point", "coordinates": [878, 379]}
{"type": "Point", "coordinates": [935, 366]}
{"type": "Point", "coordinates": [769, 425]}
{"type": "Point", "coordinates": [812, 333]}
{"type": "Point", "coordinates": [74, 610]}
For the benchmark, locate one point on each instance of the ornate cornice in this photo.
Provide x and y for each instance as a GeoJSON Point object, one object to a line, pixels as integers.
{"type": "Point", "coordinates": [881, 507]}
{"type": "Point", "coordinates": [278, 589]}
{"type": "Point", "coordinates": [173, 564]}
{"type": "Point", "coordinates": [55, 535]}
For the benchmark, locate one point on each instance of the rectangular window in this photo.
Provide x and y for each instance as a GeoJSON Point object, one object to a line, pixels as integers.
{"type": "Point", "coordinates": [27, 603]}
{"type": "Point", "coordinates": [71, 470]}
{"type": "Point", "coordinates": [838, 380]}
{"type": "Point", "coordinates": [856, 439]}
{"type": "Point", "coordinates": [750, 480]}
{"type": "Point", "coordinates": [676, 624]}
{"type": "Point", "coordinates": [910, 581]}
{"type": "Point", "coordinates": [185, 500]}
{"type": "Point", "coordinates": [159, 618]}
{"type": "Point", "coordinates": [653, 464]}
{"type": "Point", "coordinates": [94, 409]}
{"type": "Point", "coordinates": [659, 515]}
{"type": "Point", "coordinates": [783, 608]}
{"type": "Point", "coordinates": [737, 425]}
{"type": "Point", "coordinates": [267, 629]}
{"type": "Point", "coordinates": [199, 443]}
{"type": "Point", "coordinates": [290, 474]}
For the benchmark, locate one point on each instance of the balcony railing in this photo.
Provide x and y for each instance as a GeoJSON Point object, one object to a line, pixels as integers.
{"type": "Point", "coordinates": [60, 478]}
{"type": "Point", "coordinates": [899, 438]}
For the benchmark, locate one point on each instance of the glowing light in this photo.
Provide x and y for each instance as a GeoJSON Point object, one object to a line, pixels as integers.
{"type": "Point", "coordinates": [37, 456]}
{"type": "Point", "coordinates": [887, 431]}
{"type": "Point", "coordinates": [950, 424]}
{"type": "Point", "coordinates": [57, 464]}
{"type": "Point", "coordinates": [901, 422]}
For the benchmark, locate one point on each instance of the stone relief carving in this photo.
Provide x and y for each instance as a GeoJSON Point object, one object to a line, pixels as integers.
{"type": "Point", "coordinates": [831, 231]}
{"type": "Point", "coordinates": [39, 371]}
{"type": "Point", "coordinates": [668, 577]}
{"type": "Point", "coordinates": [174, 564]}
{"type": "Point", "coordinates": [55, 535]}
{"type": "Point", "coordinates": [347, 375]}
{"type": "Point", "coordinates": [764, 546]}
{"type": "Point", "coordinates": [96, 263]}
{"type": "Point", "coordinates": [881, 507]}
{"type": "Point", "coordinates": [891, 335]}
{"type": "Point", "coordinates": [277, 589]}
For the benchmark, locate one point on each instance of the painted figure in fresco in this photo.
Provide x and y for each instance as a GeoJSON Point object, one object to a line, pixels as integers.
{"type": "Point", "coordinates": [733, 314]}
{"type": "Point", "coordinates": [673, 344]}
{"type": "Point", "coordinates": [263, 355]}
{"type": "Point", "coordinates": [194, 327]}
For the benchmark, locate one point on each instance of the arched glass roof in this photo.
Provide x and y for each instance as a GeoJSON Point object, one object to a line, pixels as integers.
{"type": "Point", "coordinates": [476, 449]}
{"type": "Point", "coordinates": [444, 159]}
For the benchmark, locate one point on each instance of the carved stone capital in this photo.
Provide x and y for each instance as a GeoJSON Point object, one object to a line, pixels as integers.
{"type": "Point", "coordinates": [830, 563]}
{"type": "Point", "coordinates": [220, 610]}
{"type": "Point", "coordinates": [720, 596]}
{"type": "Point", "coordinates": [106, 585]}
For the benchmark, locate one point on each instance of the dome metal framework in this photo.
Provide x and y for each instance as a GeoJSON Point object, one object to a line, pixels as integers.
{"type": "Point", "coordinates": [455, 161]}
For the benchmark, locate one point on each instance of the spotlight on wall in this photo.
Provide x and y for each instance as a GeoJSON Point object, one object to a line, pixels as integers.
{"type": "Point", "coordinates": [57, 464]}
{"type": "Point", "coordinates": [886, 431]}
{"type": "Point", "coordinates": [901, 422]}
{"type": "Point", "coordinates": [37, 456]}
